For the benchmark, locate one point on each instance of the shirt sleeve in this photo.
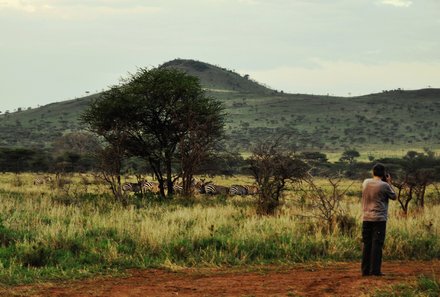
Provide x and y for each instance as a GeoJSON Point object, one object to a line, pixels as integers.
{"type": "Point", "coordinates": [390, 192]}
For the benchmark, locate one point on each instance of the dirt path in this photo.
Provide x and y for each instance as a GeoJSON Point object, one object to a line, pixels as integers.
{"type": "Point", "coordinates": [338, 279]}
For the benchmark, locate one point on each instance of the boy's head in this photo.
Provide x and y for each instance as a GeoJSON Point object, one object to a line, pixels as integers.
{"type": "Point", "coordinates": [379, 170]}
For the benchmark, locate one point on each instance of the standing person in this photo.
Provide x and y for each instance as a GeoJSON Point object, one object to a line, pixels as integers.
{"type": "Point", "coordinates": [376, 192]}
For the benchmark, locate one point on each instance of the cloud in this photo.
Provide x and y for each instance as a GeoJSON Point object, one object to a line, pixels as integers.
{"type": "Point", "coordinates": [249, 2]}
{"type": "Point", "coordinates": [18, 5]}
{"type": "Point", "coordinates": [397, 3]}
{"type": "Point", "coordinates": [79, 8]}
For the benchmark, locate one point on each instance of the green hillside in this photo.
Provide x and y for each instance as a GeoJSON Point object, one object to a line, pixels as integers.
{"type": "Point", "coordinates": [394, 120]}
{"type": "Point", "coordinates": [38, 127]}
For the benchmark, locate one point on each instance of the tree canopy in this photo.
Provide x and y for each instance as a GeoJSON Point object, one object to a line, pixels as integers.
{"type": "Point", "coordinates": [155, 112]}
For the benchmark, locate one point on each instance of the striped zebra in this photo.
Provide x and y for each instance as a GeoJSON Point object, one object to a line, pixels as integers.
{"type": "Point", "coordinates": [238, 190]}
{"type": "Point", "coordinates": [131, 187]}
{"type": "Point", "coordinates": [243, 190]}
{"type": "Point", "coordinates": [194, 187]}
{"type": "Point", "coordinates": [252, 189]}
{"type": "Point", "coordinates": [178, 189]}
{"type": "Point", "coordinates": [41, 180]}
{"type": "Point", "coordinates": [211, 189]}
{"type": "Point", "coordinates": [149, 186]}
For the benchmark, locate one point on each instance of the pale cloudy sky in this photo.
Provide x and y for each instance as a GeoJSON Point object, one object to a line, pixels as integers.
{"type": "Point", "coordinates": [53, 50]}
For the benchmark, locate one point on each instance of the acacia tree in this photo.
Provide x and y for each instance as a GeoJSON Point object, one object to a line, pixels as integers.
{"type": "Point", "coordinates": [412, 174]}
{"type": "Point", "coordinates": [325, 200]}
{"type": "Point", "coordinates": [349, 156]}
{"type": "Point", "coordinates": [272, 168]}
{"type": "Point", "coordinates": [420, 172]}
{"type": "Point", "coordinates": [110, 166]}
{"type": "Point", "coordinates": [417, 173]}
{"type": "Point", "coordinates": [198, 143]}
{"type": "Point", "coordinates": [156, 110]}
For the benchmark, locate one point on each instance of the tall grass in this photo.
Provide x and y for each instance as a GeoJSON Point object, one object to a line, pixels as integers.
{"type": "Point", "coordinates": [51, 233]}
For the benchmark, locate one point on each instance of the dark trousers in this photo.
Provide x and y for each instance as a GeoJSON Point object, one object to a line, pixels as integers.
{"type": "Point", "coordinates": [373, 237]}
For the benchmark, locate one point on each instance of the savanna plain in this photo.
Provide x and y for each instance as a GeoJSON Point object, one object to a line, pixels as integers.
{"type": "Point", "coordinates": [73, 239]}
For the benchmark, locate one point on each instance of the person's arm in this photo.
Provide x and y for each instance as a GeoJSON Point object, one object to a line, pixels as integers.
{"type": "Point", "coordinates": [390, 191]}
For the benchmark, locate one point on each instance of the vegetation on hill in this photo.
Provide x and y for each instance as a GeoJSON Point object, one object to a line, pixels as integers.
{"type": "Point", "coordinates": [392, 120]}
{"type": "Point", "coordinates": [40, 127]}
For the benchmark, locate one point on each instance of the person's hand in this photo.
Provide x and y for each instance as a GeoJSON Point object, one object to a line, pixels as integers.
{"type": "Point", "coordinates": [388, 178]}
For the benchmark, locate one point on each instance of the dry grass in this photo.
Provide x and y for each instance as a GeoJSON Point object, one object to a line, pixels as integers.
{"type": "Point", "coordinates": [78, 230]}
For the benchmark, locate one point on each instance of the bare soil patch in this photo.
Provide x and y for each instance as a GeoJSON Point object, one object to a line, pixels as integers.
{"type": "Point", "coordinates": [331, 279]}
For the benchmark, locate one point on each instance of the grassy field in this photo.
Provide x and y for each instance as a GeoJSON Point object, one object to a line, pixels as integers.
{"type": "Point", "coordinates": [78, 231]}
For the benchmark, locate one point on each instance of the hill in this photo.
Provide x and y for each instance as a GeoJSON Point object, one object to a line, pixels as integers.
{"type": "Point", "coordinates": [392, 120]}
{"type": "Point", "coordinates": [218, 79]}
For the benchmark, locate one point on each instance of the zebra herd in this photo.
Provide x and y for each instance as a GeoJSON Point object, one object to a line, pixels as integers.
{"type": "Point", "coordinates": [202, 187]}
{"type": "Point", "coordinates": [142, 186]}
{"type": "Point", "coordinates": [234, 190]}
{"type": "Point", "coordinates": [197, 186]}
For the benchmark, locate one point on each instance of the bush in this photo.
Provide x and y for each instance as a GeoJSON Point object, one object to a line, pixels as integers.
{"type": "Point", "coordinates": [346, 224]}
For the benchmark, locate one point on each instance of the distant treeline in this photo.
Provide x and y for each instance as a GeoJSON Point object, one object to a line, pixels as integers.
{"type": "Point", "coordinates": [38, 160]}
{"type": "Point", "coordinates": [18, 160]}
{"type": "Point", "coordinates": [425, 164]}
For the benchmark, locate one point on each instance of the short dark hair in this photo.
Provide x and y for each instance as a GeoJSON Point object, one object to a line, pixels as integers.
{"type": "Point", "coordinates": [379, 170]}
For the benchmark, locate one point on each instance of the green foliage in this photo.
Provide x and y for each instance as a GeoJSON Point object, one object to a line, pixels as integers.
{"type": "Point", "coordinates": [314, 158]}
{"type": "Point", "coordinates": [322, 123]}
{"type": "Point", "coordinates": [9, 237]}
{"type": "Point", "coordinates": [273, 168]}
{"type": "Point", "coordinates": [425, 246]}
{"type": "Point", "coordinates": [349, 156]}
{"type": "Point", "coordinates": [412, 175]}
{"type": "Point", "coordinates": [424, 287]}
{"type": "Point", "coordinates": [153, 115]}
{"type": "Point", "coordinates": [19, 159]}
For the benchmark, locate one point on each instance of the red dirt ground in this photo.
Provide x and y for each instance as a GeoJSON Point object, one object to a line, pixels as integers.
{"type": "Point", "coordinates": [335, 279]}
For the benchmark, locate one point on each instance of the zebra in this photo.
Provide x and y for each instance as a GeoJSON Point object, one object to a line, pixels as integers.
{"type": "Point", "coordinates": [131, 187]}
{"type": "Point", "coordinates": [40, 180]}
{"type": "Point", "coordinates": [194, 186]}
{"type": "Point", "coordinates": [178, 189]}
{"type": "Point", "coordinates": [149, 186]}
{"type": "Point", "coordinates": [243, 190]}
{"type": "Point", "coordinates": [238, 190]}
{"type": "Point", "coordinates": [142, 186]}
{"type": "Point", "coordinates": [211, 189]}
{"type": "Point", "coordinates": [252, 189]}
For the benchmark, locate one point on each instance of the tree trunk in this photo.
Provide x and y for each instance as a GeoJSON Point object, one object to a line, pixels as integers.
{"type": "Point", "coordinates": [422, 196]}
{"type": "Point", "coordinates": [410, 196]}
{"type": "Point", "coordinates": [187, 177]}
{"type": "Point", "coordinates": [169, 175]}
{"type": "Point", "coordinates": [155, 165]}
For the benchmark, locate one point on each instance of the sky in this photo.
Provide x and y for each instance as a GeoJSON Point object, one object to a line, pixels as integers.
{"type": "Point", "coordinates": [55, 50]}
